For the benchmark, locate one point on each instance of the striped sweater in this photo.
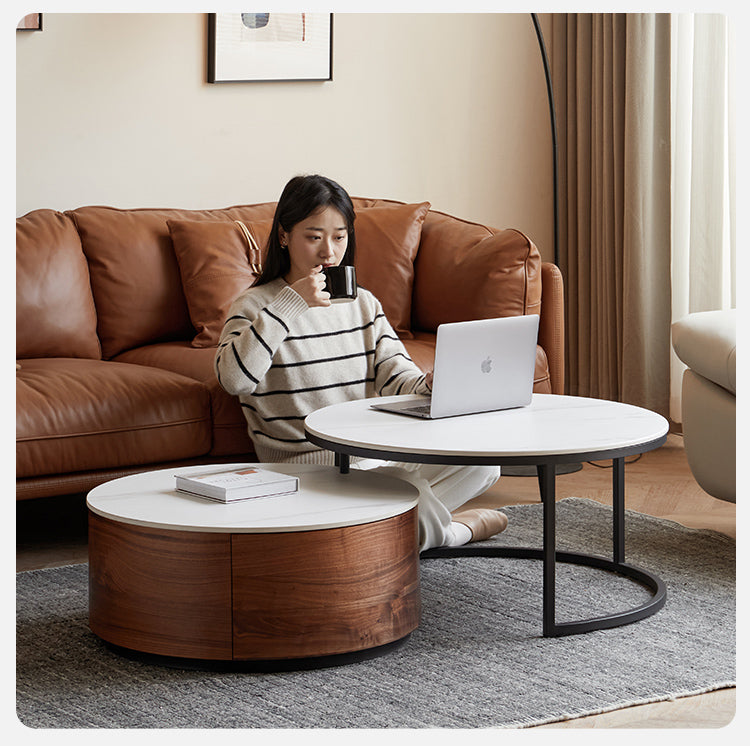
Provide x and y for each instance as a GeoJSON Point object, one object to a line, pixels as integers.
{"type": "Point", "coordinates": [284, 360]}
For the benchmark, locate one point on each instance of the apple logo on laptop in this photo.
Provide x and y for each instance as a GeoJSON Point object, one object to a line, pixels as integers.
{"type": "Point", "coordinates": [486, 365]}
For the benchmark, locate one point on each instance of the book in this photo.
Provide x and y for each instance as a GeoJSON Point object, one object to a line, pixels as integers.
{"type": "Point", "coordinates": [231, 485]}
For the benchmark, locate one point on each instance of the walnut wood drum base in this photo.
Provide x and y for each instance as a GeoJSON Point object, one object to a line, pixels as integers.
{"type": "Point", "coordinates": [276, 600]}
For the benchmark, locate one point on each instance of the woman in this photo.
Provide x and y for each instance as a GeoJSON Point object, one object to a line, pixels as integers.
{"type": "Point", "coordinates": [286, 351]}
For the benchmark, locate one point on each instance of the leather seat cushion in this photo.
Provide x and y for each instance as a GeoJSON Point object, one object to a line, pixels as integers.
{"type": "Point", "coordinates": [229, 425]}
{"type": "Point", "coordinates": [76, 415]}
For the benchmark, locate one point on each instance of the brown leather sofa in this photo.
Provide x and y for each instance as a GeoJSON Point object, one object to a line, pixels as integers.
{"type": "Point", "coordinates": [118, 312]}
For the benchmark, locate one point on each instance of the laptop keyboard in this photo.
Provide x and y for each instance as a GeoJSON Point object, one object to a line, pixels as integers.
{"type": "Point", "coordinates": [423, 409]}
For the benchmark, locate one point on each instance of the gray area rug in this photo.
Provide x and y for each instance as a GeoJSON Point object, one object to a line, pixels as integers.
{"type": "Point", "coordinates": [477, 660]}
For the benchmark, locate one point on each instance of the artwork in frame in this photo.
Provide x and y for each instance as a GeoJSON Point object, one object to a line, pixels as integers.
{"type": "Point", "coordinates": [30, 22]}
{"type": "Point", "coordinates": [246, 47]}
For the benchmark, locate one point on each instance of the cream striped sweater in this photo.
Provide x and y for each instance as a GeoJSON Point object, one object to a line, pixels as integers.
{"type": "Point", "coordinates": [284, 360]}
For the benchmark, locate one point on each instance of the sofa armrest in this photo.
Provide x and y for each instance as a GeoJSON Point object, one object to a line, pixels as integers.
{"type": "Point", "coordinates": [706, 341]}
{"type": "Point", "coordinates": [552, 325]}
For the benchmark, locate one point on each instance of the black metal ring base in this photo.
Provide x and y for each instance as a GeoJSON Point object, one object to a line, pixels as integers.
{"type": "Point", "coordinates": [555, 629]}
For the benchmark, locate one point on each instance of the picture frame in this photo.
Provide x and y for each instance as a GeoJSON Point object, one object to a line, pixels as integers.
{"type": "Point", "coordinates": [30, 22]}
{"type": "Point", "coordinates": [261, 47]}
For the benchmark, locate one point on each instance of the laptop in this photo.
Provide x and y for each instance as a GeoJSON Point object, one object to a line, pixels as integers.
{"type": "Point", "coordinates": [480, 366]}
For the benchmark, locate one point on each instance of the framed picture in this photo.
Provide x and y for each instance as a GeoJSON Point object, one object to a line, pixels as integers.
{"type": "Point", "coordinates": [31, 22]}
{"type": "Point", "coordinates": [269, 46]}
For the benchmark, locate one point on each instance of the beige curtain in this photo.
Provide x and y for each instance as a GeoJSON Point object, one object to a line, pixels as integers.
{"type": "Point", "coordinates": [611, 84]}
{"type": "Point", "coordinates": [704, 242]}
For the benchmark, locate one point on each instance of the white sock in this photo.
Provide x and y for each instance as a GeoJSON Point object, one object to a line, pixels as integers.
{"type": "Point", "coordinates": [461, 534]}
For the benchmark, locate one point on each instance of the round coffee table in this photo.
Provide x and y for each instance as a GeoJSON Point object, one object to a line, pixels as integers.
{"type": "Point", "coordinates": [552, 430]}
{"type": "Point", "coordinates": [329, 572]}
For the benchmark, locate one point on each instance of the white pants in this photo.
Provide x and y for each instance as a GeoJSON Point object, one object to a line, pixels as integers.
{"type": "Point", "coordinates": [442, 489]}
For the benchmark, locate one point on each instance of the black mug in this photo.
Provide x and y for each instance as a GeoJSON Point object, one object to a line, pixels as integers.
{"type": "Point", "coordinates": [341, 283]}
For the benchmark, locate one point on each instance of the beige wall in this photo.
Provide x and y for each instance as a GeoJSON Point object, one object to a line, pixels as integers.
{"type": "Point", "coordinates": [114, 109]}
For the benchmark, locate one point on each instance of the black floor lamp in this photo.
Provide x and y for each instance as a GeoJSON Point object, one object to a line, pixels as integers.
{"type": "Point", "coordinates": [529, 471]}
{"type": "Point", "coordinates": [553, 126]}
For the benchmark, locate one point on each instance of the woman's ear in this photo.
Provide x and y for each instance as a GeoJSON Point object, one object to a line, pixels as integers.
{"type": "Point", "coordinates": [283, 237]}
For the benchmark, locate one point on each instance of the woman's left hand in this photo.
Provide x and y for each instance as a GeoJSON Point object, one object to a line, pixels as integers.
{"type": "Point", "coordinates": [428, 379]}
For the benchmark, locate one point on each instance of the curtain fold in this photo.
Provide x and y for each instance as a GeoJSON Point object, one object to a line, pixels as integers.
{"type": "Point", "coordinates": [612, 94]}
{"type": "Point", "coordinates": [647, 228]}
{"type": "Point", "coordinates": [703, 177]}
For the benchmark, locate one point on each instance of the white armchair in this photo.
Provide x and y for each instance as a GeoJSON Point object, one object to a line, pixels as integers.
{"type": "Point", "coordinates": [707, 343]}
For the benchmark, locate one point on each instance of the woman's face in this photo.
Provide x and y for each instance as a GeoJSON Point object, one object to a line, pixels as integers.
{"type": "Point", "coordinates": [321, 238]}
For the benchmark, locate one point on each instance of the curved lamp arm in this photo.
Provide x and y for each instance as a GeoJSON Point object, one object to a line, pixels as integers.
{"type": "Point", "coordinates": [553, 124]}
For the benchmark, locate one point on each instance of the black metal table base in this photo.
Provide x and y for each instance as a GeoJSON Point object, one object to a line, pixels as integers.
{"type": "Point", "coordinates": [546, 473]}
{"type": "Point", "coordinates": [550, 557]}
{"type": "Point", "coordinates": [550, 627]}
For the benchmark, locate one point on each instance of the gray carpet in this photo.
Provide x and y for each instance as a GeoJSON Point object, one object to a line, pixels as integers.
{"type": "Point", "coordinates": [477, 660]}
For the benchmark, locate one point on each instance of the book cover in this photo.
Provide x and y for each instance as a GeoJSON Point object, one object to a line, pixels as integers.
{"type": "Point", "coordinates": [237, 484]}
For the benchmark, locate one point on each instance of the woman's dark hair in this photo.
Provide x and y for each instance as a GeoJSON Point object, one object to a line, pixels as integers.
{"type": "Point", "coordinates": [302, 196]}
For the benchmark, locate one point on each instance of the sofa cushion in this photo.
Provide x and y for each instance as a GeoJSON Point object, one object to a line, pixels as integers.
{"type": "Point", "coordinates": [79, 415]}
{"type": "Point", "coordinates": [135, 277]}
{"type": "Point", "coordinates": [55, 314]}
{"type": "Point", "coordinates": [215, 265]}
{"type": "Point", "coordinates": [486, 273]}
{"type": "Point", "coordinates": [217, 262]}
{"type": "Point", "coordinates": [230, 434]}
{"type": "Point", "coordinates": [388, 238]}
{"type": "Point", "coordinates": [707, 343]}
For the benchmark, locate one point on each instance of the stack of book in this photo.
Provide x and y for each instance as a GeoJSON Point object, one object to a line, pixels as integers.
{"type": "Point", "coordinates": [231, 485]}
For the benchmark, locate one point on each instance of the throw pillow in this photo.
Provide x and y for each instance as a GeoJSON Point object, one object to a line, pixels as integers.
{"type": "Point", "coordinates": [387, 242]}
{"type": "Point", "coordinates": [217, 262]}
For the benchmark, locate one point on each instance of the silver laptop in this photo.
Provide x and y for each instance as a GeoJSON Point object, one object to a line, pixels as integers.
{"type": "Point", "coordinates": [480, 366]}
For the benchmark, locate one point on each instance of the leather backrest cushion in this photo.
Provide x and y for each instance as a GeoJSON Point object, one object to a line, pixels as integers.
{"type": "Point", "coordinates": [486, 273]}
{"type": "Point", "coordinates": [388, 238]}
{"type": "Point", "coordinates": [217, 263]}
{"type": "Point", "coordinates": [214, 260]}
{"type": "Point", "coordinates": [55, 313]}
{"type": "Point", "coordinates": [135, 276]}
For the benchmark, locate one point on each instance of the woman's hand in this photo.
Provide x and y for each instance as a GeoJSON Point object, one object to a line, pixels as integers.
{"type": "Point", "coordinates": [428, 379]}
{"type": "Point", "coordinates": [312, 288]}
